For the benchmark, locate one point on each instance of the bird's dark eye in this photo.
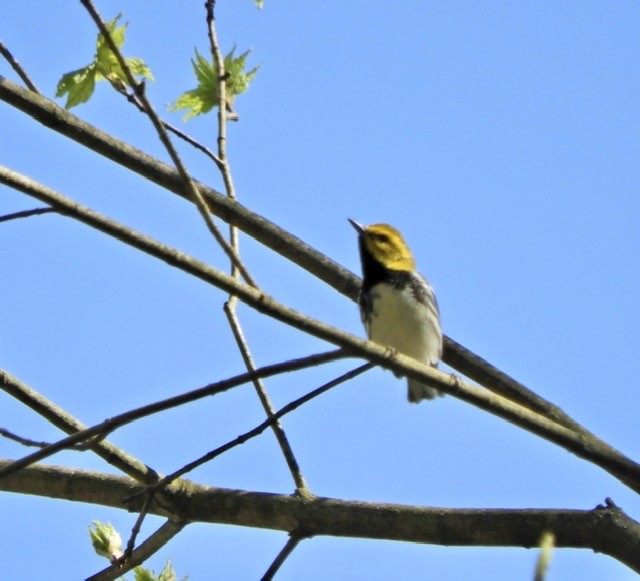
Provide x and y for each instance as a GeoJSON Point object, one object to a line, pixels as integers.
{"type": "Point", "coordinates": [383, 238]}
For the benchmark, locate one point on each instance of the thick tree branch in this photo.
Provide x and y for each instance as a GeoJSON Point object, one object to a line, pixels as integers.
{"type": "Point", "coordinates": [604, 529]}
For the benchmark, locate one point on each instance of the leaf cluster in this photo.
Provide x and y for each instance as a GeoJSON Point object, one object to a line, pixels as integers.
{"type": "Point", "coordinates": [206, 95]}
{"type": "Point", "coordinates": [79, 85]}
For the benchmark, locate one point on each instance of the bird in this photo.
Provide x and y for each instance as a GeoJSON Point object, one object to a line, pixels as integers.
{"type": "Point", "coordinates": [398, 307]}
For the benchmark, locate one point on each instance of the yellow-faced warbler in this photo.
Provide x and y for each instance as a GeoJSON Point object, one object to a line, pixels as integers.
{"type": "Point", "coordinates": [397, 305]}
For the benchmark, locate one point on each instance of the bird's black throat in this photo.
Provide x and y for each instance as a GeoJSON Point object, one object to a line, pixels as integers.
{"type": "Point", "coordinates": [374, 272]}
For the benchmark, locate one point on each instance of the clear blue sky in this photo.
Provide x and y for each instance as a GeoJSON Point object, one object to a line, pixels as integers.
{"type": "Point", "coordinates": [500, 137]}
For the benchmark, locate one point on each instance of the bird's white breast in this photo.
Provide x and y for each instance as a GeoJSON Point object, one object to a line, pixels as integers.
{"type": "Point", "coordinates": [400, 321]}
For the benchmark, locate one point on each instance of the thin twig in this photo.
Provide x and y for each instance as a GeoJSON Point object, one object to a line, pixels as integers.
{"type": "Point", "coordinates": [131, 97]}
{"type": "Point", "coordinates": [278, 431]}
{"type": "Point", "coordinates": [222, 106]}
{"type": "Point", "coordinates": [20, 440]}
{"type": "Point", "coordinates": [135, 531]}
{"type": "Point", "coordinates": [230, 307]}
{"type": "Point", "coordinates": [224, 166]}
{"type": "Point", "coordinates": [242, 438]}
{"type": "Point", "coordinates": [35, 443]}
{"type": "Point", "coordinates": [187, 180]}
{"type": "Point", "coordinates": [17, 67]}
{"type": "Point", "coordinates": [70, 425]}
{"type": "Point", "coordinates": [27, 214]}
{"type": "Point", "coordinates": [292, 542]}
{"type": "Point", "coordinates": [191, 141]}
{"type": "Point", "coordinates": [108, 426]}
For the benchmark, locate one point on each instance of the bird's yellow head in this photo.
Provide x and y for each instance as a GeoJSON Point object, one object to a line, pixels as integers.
{"type": "Point", "coordinates": [385, 245]}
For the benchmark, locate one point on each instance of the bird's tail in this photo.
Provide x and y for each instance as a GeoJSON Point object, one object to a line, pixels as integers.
{"type": "Point", "coordinates": [419, 391]}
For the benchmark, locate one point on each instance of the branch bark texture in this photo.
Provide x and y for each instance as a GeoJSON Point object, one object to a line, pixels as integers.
{"type": "Point", "coordinates": [605, 529]}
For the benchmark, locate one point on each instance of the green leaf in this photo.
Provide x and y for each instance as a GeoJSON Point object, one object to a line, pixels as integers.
{"type": "Point", "coordinates": [195, 102]}
{"type": "Point", "coordinates": [79, 85]}
{"type": "Point", "coordinates": [106, 62]}
{"type": "Point", "coordinates": [206, 95]}
{"type": "Point", "coordinates": [138, 68]}
{"type": "Point", "coordinates": [238, 80]}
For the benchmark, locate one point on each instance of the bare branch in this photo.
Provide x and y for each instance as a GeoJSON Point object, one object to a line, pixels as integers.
{"type": "Point", "coordinates": [70, 425]}
{"type": "Point", "coordinates": [279, 240]}
{"type": "Point", "coordinates": [26, 214]}
{"type": "Point", "coordinates": [133, 99]}
{"type": "Point", "coordinates": [135, 531]}
{"type": "Point", "coordinates": [230, 306]}
{"type": "Point", "coordinates": [241, 439]}
{"type": "Point", "coordinates": [292, 542]}
{"type": "Point", "coordinates": [580, 441]}
{"type": "Point", "coordinates": [20, 440]}
{"type": "Point", "coordinates": [108, 426]}
{"type": "Point", "coordinates": [191, 141]}
{"type": "Point", "coordinates": [278, 431]}
{"type": "Point", "coordinates": [17, 67]}
{"type": "Point", "coordinates": [605, 529]}
{"type": "Point", "coordinates": [222, 107]}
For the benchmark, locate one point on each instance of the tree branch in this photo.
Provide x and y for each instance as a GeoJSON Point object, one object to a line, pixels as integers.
{"type": "Point", "coordinates": [272, 236]}
{"type": "Point", "coordinates": [106, 427]}
{"type": "Point", "coordinates": [263, 396]}
{"type": "Point", "coordinates": [579, 441]}
{"type": "Point", "coordinates": [26, 214]}
{"type": "Point", "coordinates": [292, 542]}
{"type": "Point", "coordinates": [17, 67]}
{"type": "Point", "coordinates": [605, 529]}
{"type": "Point", "coordinates": [222, 106]}
{"type": "Point", "coordinates": [28, 442]}
{"type": "Point", "coordinates": [70, 425]}
{"type": "Point", "coordinates": [254, 432]}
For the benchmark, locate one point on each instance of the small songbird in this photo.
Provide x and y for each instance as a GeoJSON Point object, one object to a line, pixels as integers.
{"type": "Point", "coordinates": [397, 305]}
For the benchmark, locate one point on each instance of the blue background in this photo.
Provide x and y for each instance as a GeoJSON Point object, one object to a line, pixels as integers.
{"type": "Point", "coordinates": [500, 137]}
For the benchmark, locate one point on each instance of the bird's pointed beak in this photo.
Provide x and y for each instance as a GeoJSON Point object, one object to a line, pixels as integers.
{"type": "Point", "coordinates": [359, 227]}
